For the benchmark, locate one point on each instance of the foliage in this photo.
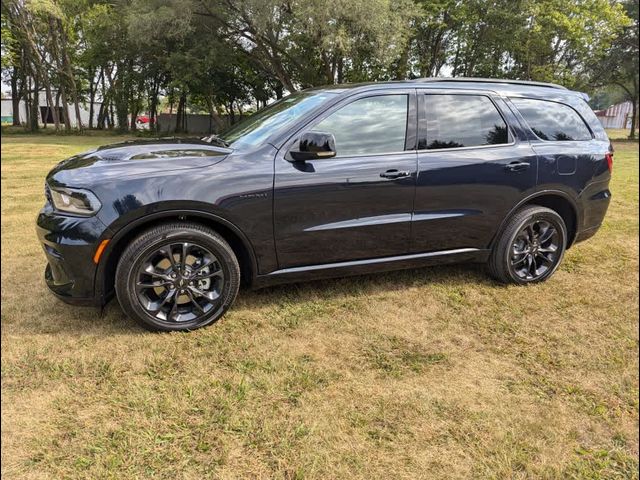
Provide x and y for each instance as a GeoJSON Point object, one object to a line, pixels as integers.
{"type": "Point", "coordinates": [227, 56]}
{"type": "Point", "coordinates": [435, 373]}
{"type": "Point", "coordinates": [619, 67]}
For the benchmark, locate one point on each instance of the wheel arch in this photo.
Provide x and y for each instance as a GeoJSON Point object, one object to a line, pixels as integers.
{"type": "Point", "coordinates": [239, 243]}
{"type": "Point", "coordinates": [558, 201]}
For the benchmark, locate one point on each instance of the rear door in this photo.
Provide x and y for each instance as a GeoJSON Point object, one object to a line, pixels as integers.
{"type": "Point", "coordinates": [472, 169]}
{"type": "Point", "coordinates": [358, 204]}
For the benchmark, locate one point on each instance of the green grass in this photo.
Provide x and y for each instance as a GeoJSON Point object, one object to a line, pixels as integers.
{"type": "Point", "coordinates": [619, 133]}
{"type": "Point", "coordinates": [431, 373]}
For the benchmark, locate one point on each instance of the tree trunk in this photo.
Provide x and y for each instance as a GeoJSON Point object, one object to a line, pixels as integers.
{"type": "Point", "coordinates": [27, 103]}
{"type": "Point", "coordinates": [66, 64]}
{"type": "Point", "coordinates": [15, 98]}
{"type": "Point", "coordinates": [326, 65]}
{"type": "Point", "coordinates": [120, 96]}
{"type": "Point", "coordinates": [213, 114]}
{"type": "Point", "coordinates": [76, 103]}
{"type": "Point", "coordinates": [456, 60]}
{"type": "Point", "coordinates": [103, 117]}
{"type": "Point", "coordinates": [92, 97]}
{"type": "Point", "coordinates": [134, 117]}
{"type": "Point", "coordinates": [402, 67]}
{"type": "Point", "coordinates": [180, 113]}
{"type": "Point", "coordinates": [65, 107]}
{"type": "Point", "coordinates": [280, 71]}
{"type": "Point", "coordinates": [51, 106]}
{"type": "Point", "coordinates": [153, 105]}
{"type": "Point", "coordinates": [634, 118]}
{"type": "Point", "coordinates": [33, 115]}
{"type": "Point", "coordinates": [62, 92]}
{"type": "Point", "coordinates": [111, 116]}
{"type": "Point", "coordinates": [93, 89]}
{"type": "Point", "coordinates": [232, 113]}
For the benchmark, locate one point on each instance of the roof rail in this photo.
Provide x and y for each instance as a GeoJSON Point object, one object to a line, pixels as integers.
{"type": "Point", "coordinates": [489, 80]}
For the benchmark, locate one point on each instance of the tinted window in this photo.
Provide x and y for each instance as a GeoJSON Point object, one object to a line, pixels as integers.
{"type": "Point", "coordinates": [463, 121]}
{"type": "Point", "coordinates": [368, 126]}
{"type": "Point", "coordinates": [551, 120]}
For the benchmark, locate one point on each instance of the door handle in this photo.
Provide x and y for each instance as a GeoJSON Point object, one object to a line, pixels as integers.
{"type": "Point", "coordinates": [517, 166]}
{"type": "Point", "coordinates": [394, 174]}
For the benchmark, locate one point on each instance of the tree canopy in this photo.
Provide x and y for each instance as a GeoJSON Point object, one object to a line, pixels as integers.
{"type": "Point", "coordinates": [227, 56]}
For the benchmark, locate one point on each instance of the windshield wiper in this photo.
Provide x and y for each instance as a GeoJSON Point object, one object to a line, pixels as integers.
{"type": "Point", "coordinates": [213, 138]}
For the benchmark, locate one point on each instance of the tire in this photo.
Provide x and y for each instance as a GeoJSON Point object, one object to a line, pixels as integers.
{"type": "Point", "coordinates": [524, 237]}
{"type": "Point", "coordinates": [162, 292]}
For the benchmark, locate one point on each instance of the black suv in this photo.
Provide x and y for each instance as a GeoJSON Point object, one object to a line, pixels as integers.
{"type": "Point", "coordinates": [329, 182]}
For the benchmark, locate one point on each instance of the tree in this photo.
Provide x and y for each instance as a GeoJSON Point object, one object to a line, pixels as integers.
{"type": "Point", "coordinates": [620, 64]}
{"type": "Point", "coordinates": [11, 60]}
{"type": "Point", "coordinates": [224, 56]}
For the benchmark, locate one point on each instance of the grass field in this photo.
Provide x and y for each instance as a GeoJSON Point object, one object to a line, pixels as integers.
{"type": "Point", "coordinates": [431, 373]}
{"type": "Point", "coordinates": [619, 133]}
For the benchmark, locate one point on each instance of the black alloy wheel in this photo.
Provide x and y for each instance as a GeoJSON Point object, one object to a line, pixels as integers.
{"type": "Point", "coordinates": [177, 276]}
{"type": "Point", "coordinates": [535, 249]}
{"type": "Point", "coordinates": [179, 282]}
{"type": "Point", "coordinates": [530, 247]}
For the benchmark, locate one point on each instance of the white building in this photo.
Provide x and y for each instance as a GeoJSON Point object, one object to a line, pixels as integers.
{"type": "Point", "coordinates": [7, 111]}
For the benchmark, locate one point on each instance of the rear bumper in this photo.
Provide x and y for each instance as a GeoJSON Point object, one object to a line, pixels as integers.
{"type": "Point", "coordinates": [69, 244]}
{"type": "Point", "coordinates": [595, 201]}
{"type": "Point", "coordinates": [586, 234]}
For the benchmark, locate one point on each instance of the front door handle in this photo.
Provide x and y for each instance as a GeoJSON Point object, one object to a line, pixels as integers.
{"type": "Point", "coordinates": [517, 166]}
{"type": "Point", "coordinates": [394, 174]}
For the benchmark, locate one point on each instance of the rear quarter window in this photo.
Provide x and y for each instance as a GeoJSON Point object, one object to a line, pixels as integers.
{"type": "Point", "coordinates": [552, 121]}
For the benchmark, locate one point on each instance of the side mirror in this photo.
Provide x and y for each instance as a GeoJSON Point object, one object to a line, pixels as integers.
{"type": "Point", "coordinates": [314, 145]}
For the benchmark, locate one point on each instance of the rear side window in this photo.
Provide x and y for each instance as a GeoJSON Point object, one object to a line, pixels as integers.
{"type": "Point", "coordinates": [455, 121]}
{"type": "Point", "coordinates": [551, 120]}
{"type": "Point", "coordinates": [369, 125]}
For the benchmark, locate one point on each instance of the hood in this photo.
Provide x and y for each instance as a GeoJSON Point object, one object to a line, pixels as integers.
{"type": "Point", "coordinates": [137, 157]}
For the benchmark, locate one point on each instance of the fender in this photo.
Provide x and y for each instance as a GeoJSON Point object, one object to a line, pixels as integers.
{"type": "Point", "coordinates": [172, 213]}
{"type": "Point", "coordinates": [534, 195]}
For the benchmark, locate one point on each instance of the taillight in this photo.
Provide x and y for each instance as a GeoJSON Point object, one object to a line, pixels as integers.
{"type": "Point", "coordinates": [609, 157]}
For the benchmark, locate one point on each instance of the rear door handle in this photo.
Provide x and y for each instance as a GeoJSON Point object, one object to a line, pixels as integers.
{"type": "Point", "coordinates": [394, 174]}
{"type": "Point", "coordinates": [517, 166]}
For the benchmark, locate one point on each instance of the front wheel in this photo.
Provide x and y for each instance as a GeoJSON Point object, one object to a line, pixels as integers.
{"type": "Point", "coordinates": [177, 276]}
{"type": "Point", "coordinates": [530, 248]}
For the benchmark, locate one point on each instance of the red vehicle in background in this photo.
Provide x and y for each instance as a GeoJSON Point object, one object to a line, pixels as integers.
{"type": "Point", "coordinates": [143, 122]}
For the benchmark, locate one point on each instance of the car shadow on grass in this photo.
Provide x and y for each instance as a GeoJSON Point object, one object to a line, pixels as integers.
{"type": "Point", "coordinates": [371, 284]}
{"type": "Point", "coordinates": [111, 320]}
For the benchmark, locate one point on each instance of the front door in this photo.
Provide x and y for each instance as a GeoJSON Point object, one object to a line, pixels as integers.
{"type": "Point", "coordinates": [358, 204]}
{"type": "Point", "coordinates": [472, 169]}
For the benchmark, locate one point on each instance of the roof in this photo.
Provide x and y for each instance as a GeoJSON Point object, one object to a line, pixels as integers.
{"type": "Point", "coordinates": [493, 81]}
{"type": "Point", "coordinates": [497, 85]}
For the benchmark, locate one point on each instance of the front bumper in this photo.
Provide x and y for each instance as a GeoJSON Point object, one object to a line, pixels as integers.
{"type": "Point", "coordinates": [69, 244]}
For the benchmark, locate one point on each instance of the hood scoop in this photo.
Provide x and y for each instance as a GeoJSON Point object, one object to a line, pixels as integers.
{"type": "Point", "coordinates": [157, 152]}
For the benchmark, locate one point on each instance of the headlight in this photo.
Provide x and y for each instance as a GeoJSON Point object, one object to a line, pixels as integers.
{"type": "Point", "coordinates": [75, 201]}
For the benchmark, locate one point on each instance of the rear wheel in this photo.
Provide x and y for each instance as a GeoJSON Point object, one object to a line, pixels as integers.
{"type": "Point", "coordinates": [178, 276]}
{"type": "Point", "coordinates": [530, 247]}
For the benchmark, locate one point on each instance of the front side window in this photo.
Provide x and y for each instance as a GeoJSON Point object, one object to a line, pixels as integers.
{"type": "Point", "coordinates": [455, 121]}
{"type": "Point", "coordinates": [552, 120]}
{"type": "Point", "coordinates": [368, 126]}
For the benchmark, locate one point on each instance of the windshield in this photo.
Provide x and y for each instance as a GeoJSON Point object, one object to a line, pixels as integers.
{"type": "Point", "coordinates": [277, 116]}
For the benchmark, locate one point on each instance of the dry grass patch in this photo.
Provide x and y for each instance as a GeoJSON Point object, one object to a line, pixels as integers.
{"type": "Point", "coordinates": [431, 373]}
